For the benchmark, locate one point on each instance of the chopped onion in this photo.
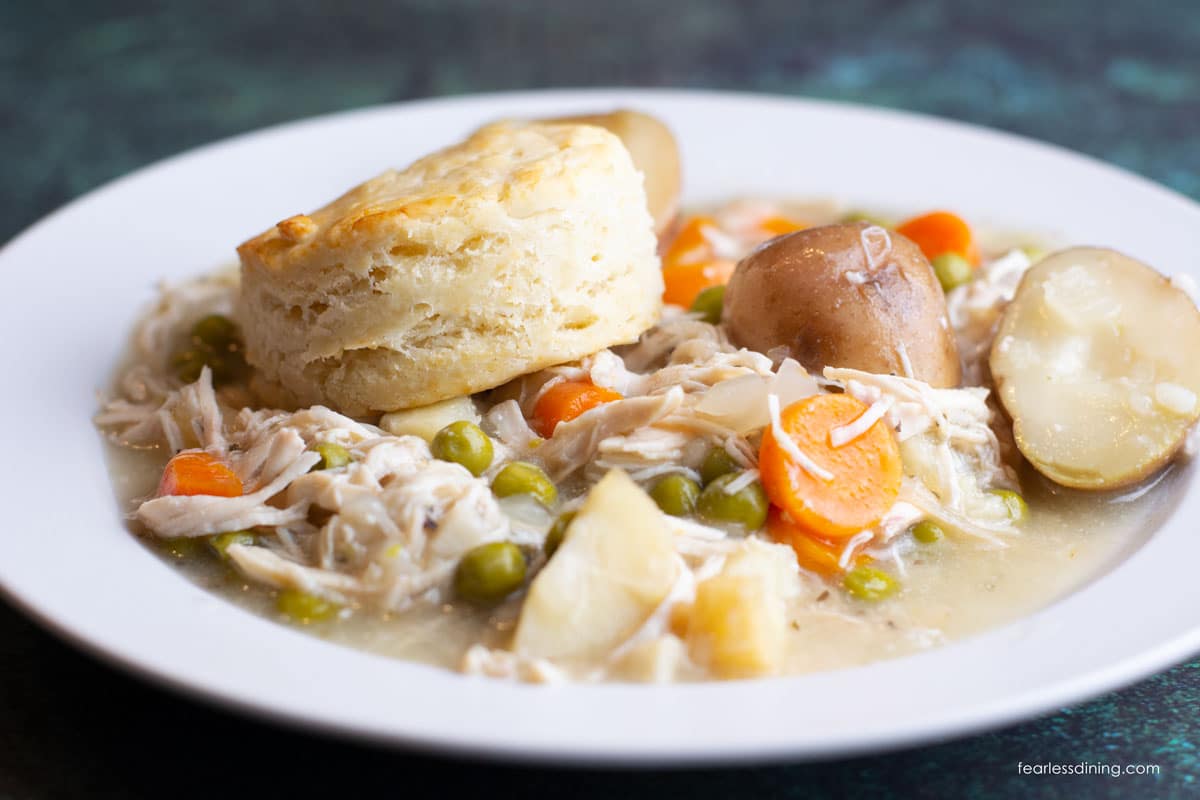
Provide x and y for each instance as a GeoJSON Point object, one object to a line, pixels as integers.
{"type": "Point", "coordinates": [506, 422]}
{"type": "Point", "coordinates": [737, 403]}
{"type": "Point", "coordinates": [740, 403]}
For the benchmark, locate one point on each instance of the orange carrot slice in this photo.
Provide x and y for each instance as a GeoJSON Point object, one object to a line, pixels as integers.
{"type": "Point", "coordinates": [683, 282]}
{"type": "Point", "coordinates": [565, 401]}
{"type": "Point", "coordinates": [690, 264]}
{"type": "Point", "coordinates": [864, 473]}
{"type": "Point", "coordinates": [197, 472]}
{"type": "Point", "coordinates": [941, 232]}
{"type": "Point", "coordinates": [778, 226]}
{"type": "Point", "coordinates": [690, 245]}
{"type": "Point", "coordinates": [812, 552]}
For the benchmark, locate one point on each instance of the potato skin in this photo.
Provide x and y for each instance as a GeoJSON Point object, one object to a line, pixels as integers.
{"type": "Point", "coordinates": [818, 294]}
{"type": "Point", "coordinates": [654, 151]}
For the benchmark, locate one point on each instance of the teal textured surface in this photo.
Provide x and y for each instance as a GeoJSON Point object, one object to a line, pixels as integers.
{"type": "Point", "coordinates": [89, 92]}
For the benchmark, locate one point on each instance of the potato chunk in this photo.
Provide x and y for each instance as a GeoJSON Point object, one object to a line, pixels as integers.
{"type": "Point", "coordinates": [653, 661]}
{"type": "Point", "coordinates": [1096, 362]}
{"type": "Point", "coordinates": [615, 566]}
{"type": "Point", "coordinates": [426, 421]}
{"type": "Point", "coordinates": [738, 622]}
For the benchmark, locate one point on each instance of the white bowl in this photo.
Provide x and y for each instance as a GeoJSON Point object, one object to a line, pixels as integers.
{"type": "Point", "coordinates": [76, 280]}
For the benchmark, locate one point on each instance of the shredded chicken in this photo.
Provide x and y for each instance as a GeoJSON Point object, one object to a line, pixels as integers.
{"type": "Point", "coordinates": [845, 434]}
{"type": "Point", "coordinates": [576, 442]}
{"type": "Point", "coordinates": [673, 329]}
{"type": "Point", "coordinates": [697, 542]}
{"type": "Point", "coordinates": [395, 522]}
{"type": "Point", "coordinates": [975, 309]}
{"type": "Point", "coordinates": [173, 517]}
{"type": "Point", "coordinates": [789, 447]}
{"type": "Point", "coordinates": [272, 569]}
{"type": "Point", "coordinates": [388, 529]}
{"type": "Point", "coordinates": [505, 664]}
{"type": "Point", "coordinates": [507, 423]}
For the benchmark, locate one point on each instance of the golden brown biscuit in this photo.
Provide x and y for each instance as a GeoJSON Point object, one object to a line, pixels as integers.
{"type": "Point", "coordinates": [654, 151]}
{"type": "Point", "coordinates": [522, 247]}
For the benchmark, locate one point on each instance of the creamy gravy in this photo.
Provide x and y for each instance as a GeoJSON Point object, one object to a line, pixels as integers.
{"type": "Point", "coordinates": [951, 589]}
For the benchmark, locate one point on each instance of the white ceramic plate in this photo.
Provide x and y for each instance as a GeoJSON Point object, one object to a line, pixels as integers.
{"type": "Point", "coordinates": [76, 280]}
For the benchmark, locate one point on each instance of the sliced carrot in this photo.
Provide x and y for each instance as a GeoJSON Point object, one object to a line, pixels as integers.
{"type": "Point", "coordinates": [812, 552]}
{"type": "Point", "coordinates": [565, 401]}
{"type": "Point", "coordinates": [865, 471]}
{"type": "Point", "coordinates": [941, 232]}
{"type": "Point", "coordinates": [778, 226]}
{"type": "Point", "coordinates": [690, 245]}
{"type": "Point", "coordinates": [690, 264]}
{"type": "Point", "coordinates": [683, 282]}
{"type": "Point", "coordinates": [197, 472]}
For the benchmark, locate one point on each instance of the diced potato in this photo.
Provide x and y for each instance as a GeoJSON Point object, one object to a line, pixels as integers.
{"type": "Point", "coordinates": [426, 421]}
{"type": "Point", "coordinates": [738, 622]}
{"type": "Point", "coordinates": [1095, 361]}
{"type": "Point", "coordinates": [615, 566]}
{"type": "Point", "coordinates": [772, 563]}
{"type": "Point", "coordinates": [653, 661]}
{"type": "Point", "coordinates": [736, 627]}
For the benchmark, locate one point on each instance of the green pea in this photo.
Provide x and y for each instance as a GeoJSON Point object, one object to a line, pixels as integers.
{"type": "Point", "coordinates": [183, 547]}
{"type": "Point", "coordinates": [221, 543]}
{"type": "Point", "coordinates": [489, 573]}
{"type": "Point", "coordinates": [676, 495]}
{"type": "Point", "coordinates": [865, 216]}
{"type": "Point", "coordinates": [927, 532]}
{"type": "Point", "coordinates": [217, 332]}
{"type": "Point", "coordinates": [521, 477]}
{"type": "Point", "coordinates": [557, 532]}
{"type": "Point", "coordinates": [717, 463]}
{"type": "Point", "coordinates": [952, 270]}
{"type": "Point", "coordinates": [709, 304]}
{"type": "Point", "coordinates": [216, 343]}
{"type": "Point", "coordinates": [304, 608]}
{"type": "Point", "coordinates": [465, 443]}
{"type": "Point", "coordinates": [187, 364]}
{"type": "Point", "coordinates": [747, 507]}
{"type": "Point", "coordinates": [227, 366]}
{"type": "Point", "coordinates": [332, 455]}
{"type": "Point", "coordinates": [868, 583]}
{"type": "Point", "coordinates": [1018, 509]}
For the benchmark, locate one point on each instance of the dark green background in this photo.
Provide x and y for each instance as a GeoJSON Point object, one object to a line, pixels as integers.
{"type": "Point", "coordinates": [89, 91]}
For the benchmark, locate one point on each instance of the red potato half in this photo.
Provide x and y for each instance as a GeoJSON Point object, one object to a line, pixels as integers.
{"type": "Point", "coordinates": [847, 295]}
{"type": "Point", "coordinates": [1097, 361]}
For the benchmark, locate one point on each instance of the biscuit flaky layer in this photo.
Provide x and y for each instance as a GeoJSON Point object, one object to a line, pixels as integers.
{"type": "Point", "coordinates": [522, 247]}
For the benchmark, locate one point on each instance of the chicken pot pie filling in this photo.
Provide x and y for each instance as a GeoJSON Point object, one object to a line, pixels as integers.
{"type": "Point", "coordinates": [807, 461]}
